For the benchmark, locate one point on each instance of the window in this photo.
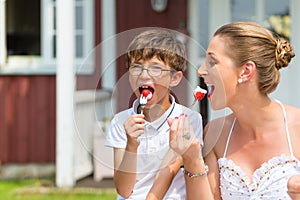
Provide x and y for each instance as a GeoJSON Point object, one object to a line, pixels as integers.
{"type": "Point", "coordinates": [273, 14]}
{"type": "Point", "coordinates": [29, 36]}
{"type": "Point", "coordinates": [23, 27]}
{"type": "Point", "coordinates": [278, 17]}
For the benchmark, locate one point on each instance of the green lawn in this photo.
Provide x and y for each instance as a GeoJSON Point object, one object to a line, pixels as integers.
{"type": "Point", "coordinates": [44, 190]}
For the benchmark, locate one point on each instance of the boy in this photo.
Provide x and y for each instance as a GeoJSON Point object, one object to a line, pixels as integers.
{"type": "Point", "coordinates": [156, 60]}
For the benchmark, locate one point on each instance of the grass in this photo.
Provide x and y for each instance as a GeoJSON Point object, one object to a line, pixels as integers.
{"type": "Point", "coordinates": [44, 190]}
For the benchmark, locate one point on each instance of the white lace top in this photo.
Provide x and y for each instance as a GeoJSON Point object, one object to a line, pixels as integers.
{"type": "Point", "coordinates": [268, 182]}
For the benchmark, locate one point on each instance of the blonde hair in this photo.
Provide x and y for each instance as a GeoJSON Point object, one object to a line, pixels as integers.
{"type": "Point", "coordinates": [248, 41]}
{"type": "Point", "coordinates": [159, 43]}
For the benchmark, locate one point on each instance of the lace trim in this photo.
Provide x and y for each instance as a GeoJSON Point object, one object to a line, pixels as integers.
{"type": "Point", "coordinates": [259, 173]}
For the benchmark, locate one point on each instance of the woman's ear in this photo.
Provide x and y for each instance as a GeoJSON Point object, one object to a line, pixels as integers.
{"type": "Point", "coordinates": [247, 71]}
{"type": "Point", "coordinates": [176, 78]}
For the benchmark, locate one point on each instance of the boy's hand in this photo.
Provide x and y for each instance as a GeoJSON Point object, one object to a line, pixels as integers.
{"type": "Point", "coordinates": [294, 187]}
{"type": "Point", "coordinates": [134, 127]}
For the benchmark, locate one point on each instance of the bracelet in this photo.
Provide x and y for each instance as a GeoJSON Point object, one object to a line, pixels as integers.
{"type": "Point", "coordinates": [191, 175]}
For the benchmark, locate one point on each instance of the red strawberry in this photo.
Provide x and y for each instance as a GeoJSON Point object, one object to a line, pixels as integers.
{"type": "Point", "coordinates": [147, 93]}
{"type": "Point", "coordinates": [199, 93]}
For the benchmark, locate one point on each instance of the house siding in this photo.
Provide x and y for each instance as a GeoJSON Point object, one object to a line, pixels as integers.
{"type": "Point", "coordinates": [27, 120]}
{"type": "Point", "coordinates": [28, 111]}
{"type": "Point", "coordinates": [133, 14]}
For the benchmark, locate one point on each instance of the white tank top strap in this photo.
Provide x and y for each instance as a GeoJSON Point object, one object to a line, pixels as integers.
{"type": "Point", "coordinates": [228, 139]}
{"type": "Point", "coordinates": [286, 127]}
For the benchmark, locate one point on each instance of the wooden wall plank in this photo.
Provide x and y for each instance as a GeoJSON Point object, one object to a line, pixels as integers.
{"type": "Point", "coordinates": [27, 131]}
{"type": "Point", "coordinates": [137, 14]}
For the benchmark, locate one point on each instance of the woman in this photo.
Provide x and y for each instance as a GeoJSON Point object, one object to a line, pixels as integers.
{"type": "Point", "coordinates": [257, 144]}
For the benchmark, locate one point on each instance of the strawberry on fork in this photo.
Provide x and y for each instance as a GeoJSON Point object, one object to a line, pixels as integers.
{"type": "Point", "coordinates": [145, 96]}
{"type": "Point", "coordinates": [199, 94]}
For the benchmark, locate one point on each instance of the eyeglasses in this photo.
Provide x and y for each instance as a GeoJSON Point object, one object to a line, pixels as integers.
{"type": "Point", "coordinates": [154, 70]}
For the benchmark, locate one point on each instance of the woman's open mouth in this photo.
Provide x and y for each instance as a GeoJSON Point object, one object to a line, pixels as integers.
{"type": "Point", "coordinates": [210, 88]}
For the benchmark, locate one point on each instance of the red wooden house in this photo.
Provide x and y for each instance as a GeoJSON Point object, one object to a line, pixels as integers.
{"type": "Point", "coordinates": [28, 64]}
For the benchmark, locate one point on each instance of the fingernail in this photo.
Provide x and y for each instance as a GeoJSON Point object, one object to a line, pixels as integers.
{"type": "Point", "coordinates": [176, 117]}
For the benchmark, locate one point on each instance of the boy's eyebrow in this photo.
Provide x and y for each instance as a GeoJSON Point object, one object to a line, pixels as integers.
{"type": "Point", "coordinates": [136, 62]}
{"type": "Point", "coordinates": [151, 63]}
{"type": "Point", "coordinates": [156, 63]}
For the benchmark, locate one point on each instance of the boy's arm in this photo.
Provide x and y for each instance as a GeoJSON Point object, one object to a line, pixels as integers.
{"type": "Point", "coordinates": [125, 160]}
{"type": "Point", "coordinates": [124, 173]}
{"type": "Point", "coordinates": [165, 175]}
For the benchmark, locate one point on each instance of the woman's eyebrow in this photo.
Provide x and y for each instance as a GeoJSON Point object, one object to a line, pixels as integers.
{"type": "Point", "coordinates": [210, 53]}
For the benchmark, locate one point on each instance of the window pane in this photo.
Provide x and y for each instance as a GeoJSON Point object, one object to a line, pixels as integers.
{"type": "Point", "coordinates": [79, 17]}
{"type": "Point", "coordinates": [278, 17]}
{"type": "Point", "coordinates": [204, 33]}
{"type": "Point", "coordinates": [23, 27]}
{"type": "Point", "coordinates": [54, 16]}
{"type": "Point", "coordinates": [79, 46]}
{"type": "Point", "coordinates": [54, 46]}
{"type": "Point", "coordinates": [243, 10]}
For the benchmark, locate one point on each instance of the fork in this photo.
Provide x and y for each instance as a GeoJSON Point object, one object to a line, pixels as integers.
{"type": "Point", "coordinates": [143, 102]}
{"type": "Point", "coordinates": [194, 102]}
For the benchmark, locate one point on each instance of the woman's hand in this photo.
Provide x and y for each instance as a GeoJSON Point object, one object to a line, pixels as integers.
{"type": "Point", "coordinates": [294, 187]}
{"type": "Point", "coordinates": [184, 142]}
{"type": "Point", "coordinates": [182, 138]}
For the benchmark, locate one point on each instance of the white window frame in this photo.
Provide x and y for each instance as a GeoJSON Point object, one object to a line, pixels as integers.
{"type": "Point", "coordinates": [46, 62]}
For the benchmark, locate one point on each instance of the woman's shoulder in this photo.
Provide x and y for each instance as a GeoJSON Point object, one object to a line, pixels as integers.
{"type": "Point", "coordinates": [292, 114]}
{"type": "Point", "coordinates": [216, 132]}
{"type": "Point", "coordinates": [293, 121]}
{"type": "Point", "coordinates": [220, 123]}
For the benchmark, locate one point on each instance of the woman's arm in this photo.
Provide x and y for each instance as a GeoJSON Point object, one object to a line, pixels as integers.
{"type": "Point", "coordinates": [213, 174]}
{"type": "Point", "coordinates": [196, 187]}
{"type": "Point", "coordinates": [183, 141]}
{"type": "Point", "coordinates": [294, 187]}
{"type": "Point", "coordinates": [211, 135]}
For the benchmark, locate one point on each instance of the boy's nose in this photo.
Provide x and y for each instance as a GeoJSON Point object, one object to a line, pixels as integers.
{"type": "Point", "coordinates": [144, 73]}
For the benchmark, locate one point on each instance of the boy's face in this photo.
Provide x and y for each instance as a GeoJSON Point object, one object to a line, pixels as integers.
{"type": "Point", "coordinates": [146, 74]}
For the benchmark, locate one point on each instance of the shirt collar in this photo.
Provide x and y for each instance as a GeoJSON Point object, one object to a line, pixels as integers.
{"type": "Point", "coordinates": [158, 123]}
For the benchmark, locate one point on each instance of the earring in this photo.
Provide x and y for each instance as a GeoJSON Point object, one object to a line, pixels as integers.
{"type": "Point", "coordinates": [240, 80]}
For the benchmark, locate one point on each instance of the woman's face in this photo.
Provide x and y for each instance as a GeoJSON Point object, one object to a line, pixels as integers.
{"type": "Point", "coordinates": [219, 73]}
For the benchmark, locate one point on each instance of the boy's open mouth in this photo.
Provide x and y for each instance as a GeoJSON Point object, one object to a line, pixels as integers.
{"type": "Point", "coordinates": [146, 87]}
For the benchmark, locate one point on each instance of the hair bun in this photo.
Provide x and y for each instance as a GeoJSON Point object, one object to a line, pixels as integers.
{"type": "Point", "coordinates": [284, 53]}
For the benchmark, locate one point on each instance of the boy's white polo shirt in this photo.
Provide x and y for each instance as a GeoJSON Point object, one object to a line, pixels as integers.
{"type": "Point", "coordinates": [154, 144]}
